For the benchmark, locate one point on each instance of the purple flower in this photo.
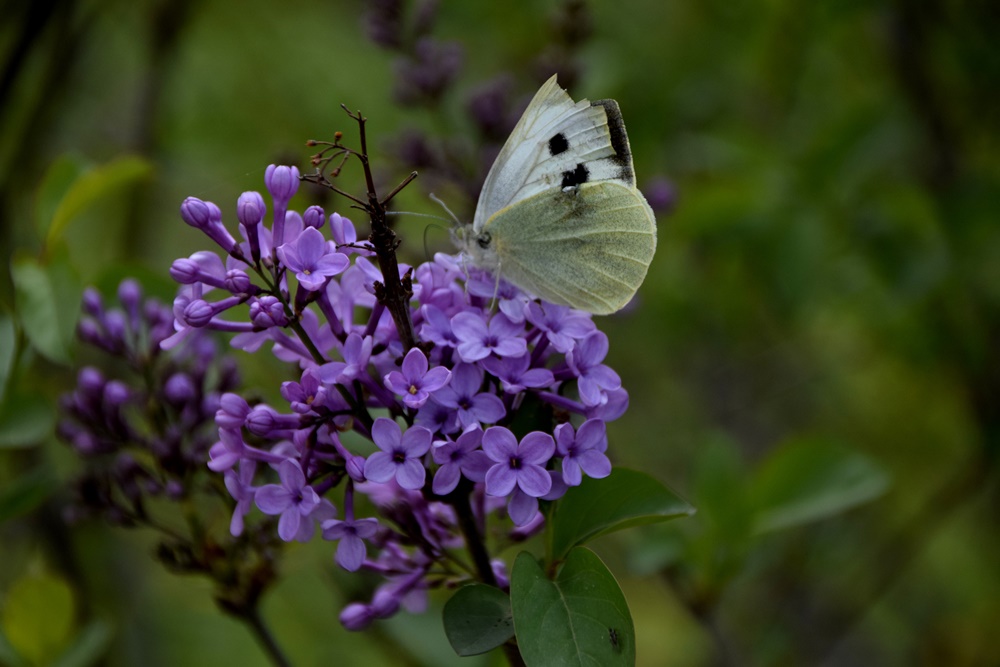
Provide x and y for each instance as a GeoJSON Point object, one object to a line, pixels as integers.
{"type": "Point", "coordinates": [250, 210]}
{"type": "Point", "coordinates": [311, 259]}
{"type": "Point", "coordinates": [437, 327]}
{"type": "Point", "coordinates": [460, 457]}
{"type": "Point", "coordinates": [282, 182]}
{"type": "Point", "coordinates": [437, 418]}
{"type": "Point", "coordinates": [207, 217]}
{"type": "Point", "coordinates": [416, 383]}
{"type": "Point", "coordinates": [400, 456]}
{"type": "Point", "coordinates": [304, 396]}
{"type": "Point", "coordinates": [267, 312]}
{"type": "Point", "coordinates": [462, 395]}
{"type": "Point", "coordinates": [356, 616]}
{"type": "Point", "coordinates": [594, 379]}
{"type": "Point", "coordinates": [352, 534]}
{"type": "Point", "coordinates": [522, 508]}
{"type": "Point", "coordinates": [515, 375]}
{"type": "Point", "coordinates": [562, 326]}
{"type": "Point", "coordinates": [314, 217]}
{"type": "Point", "coordinates": [227, 452]}
{"type": "Point", "coordinates": [293, 499]}
{"type": "Point", "coordinates": [357, 351]}
{"type": "Point", "coordinates": [242, 490]}
{"type": "Point", "coordinates": [521, 465]}
{"type": "Point", "coordinates": [477, 341]}
{"type": "Point", "coordinates": [583, 452]}
{"type": "Point", "coordinates": [511, 301]}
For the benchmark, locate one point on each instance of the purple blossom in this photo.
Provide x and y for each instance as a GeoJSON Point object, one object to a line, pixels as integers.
{"type": "Point", "coordinates": [437, 327]}
{"type": "Point", "coordinates": [304, 396]}
{"type": "Point", "coordinates": [477, 340]}
{"type": "Point", "coordinates": [517, 464]}
{"type": "Point", "coordinates": [464, 396]}
{"type": "Point", "coordinates": [227, 452]}
{"type": "Point", "coordinates": [516, 375]}
{"type": "Point", "coordinates": [510, 300]}
{"type": "Point", "coordinates": [282, 182]}
{"type": "Point", "coordinates": [207, 217]}
{"type": "Point", "coordinates": [415, 383]}
{"type": "Point", "coordinates": [437, 418]}
{"type": "Point", "coordinates": [293, 499]}
{"type": "Point", "coordinates": [311, 259]}
{"type": "Point", "coordinates": [240, 487]}
{"type": "Point", "coordinates": [401, 454]}
{"type": "Point", "coordinates": [594, 379]}
{"type": "Point", "coordinates": [267, 312]}
{"type": "Point", "coordinates": [352, 534]}
{"type": "Point", "coordinates": [462, 456]}
{"type": "Point", "coordinates": [250, 210]}
{"type": "Point", "coordinates": [562, 325]}
{"type": "Point", "coordinates": [583, 452]}
{"type": "Point", "coordinates": [344, 352]}
{"type": "Point", "coordinates": [356, 352]}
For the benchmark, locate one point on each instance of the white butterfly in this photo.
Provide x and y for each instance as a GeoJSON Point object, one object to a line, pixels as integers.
{"type": "Point", "coordinates": [559, 215]}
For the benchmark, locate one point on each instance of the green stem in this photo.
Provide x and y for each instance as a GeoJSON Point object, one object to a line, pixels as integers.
{"type": "Point", "coordinates": [264, 637]}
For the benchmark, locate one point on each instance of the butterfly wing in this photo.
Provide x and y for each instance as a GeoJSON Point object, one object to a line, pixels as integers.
{"type": "Point", "coordinates": [558, 143]}
{"type": "Point", "coordinates": [587, 247]}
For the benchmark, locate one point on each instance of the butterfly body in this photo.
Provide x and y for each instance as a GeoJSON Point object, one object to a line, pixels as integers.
{"type": "Point", "coordinates": [559, 215]}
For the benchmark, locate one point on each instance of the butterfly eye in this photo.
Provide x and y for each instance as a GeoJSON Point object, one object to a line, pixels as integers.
{"type": "Point", "coordinates": [484, 240]}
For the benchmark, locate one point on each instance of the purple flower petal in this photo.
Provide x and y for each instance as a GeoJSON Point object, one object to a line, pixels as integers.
{"type": "Point", "coordinates": [379, 467]}
{"type": "Point", "coordinates": [533, 480]}
{"type": "Point", "coordinates": [500, 480]}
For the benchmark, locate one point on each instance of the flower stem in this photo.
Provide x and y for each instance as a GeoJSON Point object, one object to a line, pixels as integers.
{"type": "Point", "coordinates": [262, 633]}
{"type": "Point", "coordinates": [476, 547]}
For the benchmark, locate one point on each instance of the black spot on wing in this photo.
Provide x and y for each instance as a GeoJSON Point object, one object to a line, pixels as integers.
{"type": "Point", "coordinates": [558, 144]}
{"type": "Point", "coordinates": [619, 140]}
{"type": "Point", "coordinates": [578, 176]}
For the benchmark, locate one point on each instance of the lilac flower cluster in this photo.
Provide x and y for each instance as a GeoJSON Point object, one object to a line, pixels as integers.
{"type": "Point", "coordinates": [479, 416]}
{"type": "Point", "coordinates": [145, 437]}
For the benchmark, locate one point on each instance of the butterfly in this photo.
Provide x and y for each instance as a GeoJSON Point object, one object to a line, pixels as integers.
{"type": "Point", "coordinates": [559, 215]}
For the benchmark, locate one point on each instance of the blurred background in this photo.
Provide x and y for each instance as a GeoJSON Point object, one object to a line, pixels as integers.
{"type": "Point", "coordinates": [813, 361]}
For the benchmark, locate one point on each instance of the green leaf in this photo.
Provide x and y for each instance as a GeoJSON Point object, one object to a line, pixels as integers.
{"type": "Point", "coordinates": [25, 493]}
{"type": "Point", "coordinates": [477, 619]}
{"type": "Point", "coordinates": [25, 421]}
{"type": "Point", "coordinates": [92, 185]}
{"type": "Point", "coordinates": [88, 646]}
{"type": "Point", "coordinates": [8, 656]}
{"type": "Point", "coordinates": [37, 617]}
{"type": "Point", "coordinates": [48, 304]}
{"type": "Point", "coordinates": [58, 179]}
{"type": "Point", "coordinates": [8, 339]}
{"type": "Point", "coordinates": [599, 506]}
{"type": "Point", "coordinates": [807, 480]}
{"type": "Point", "coordinates": [579, 619]}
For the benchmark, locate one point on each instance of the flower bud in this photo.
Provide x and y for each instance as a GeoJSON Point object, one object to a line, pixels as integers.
{"type": "Point", "coordinates": [198, 313]}
{"type": "Point", "coordinates": [180, 389]}
{"type": "Point", "coordinates": [314, 217]}
{"type": "Point", "coordinates": [356, 616]}
{"type": "Point", "coordinates": [92, 302]}
{"type": "Point", "coordinates": [282, 182]}
{"type": "Point", "coordinates": [185, 271]}
{"type": "Point", "coordinates": [250, 210]}
{"type": "Point", "coordinates": [238, 282]}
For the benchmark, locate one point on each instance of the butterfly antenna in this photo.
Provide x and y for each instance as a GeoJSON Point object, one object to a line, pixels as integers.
{"type": "Point", "coordinates": [440, 202]}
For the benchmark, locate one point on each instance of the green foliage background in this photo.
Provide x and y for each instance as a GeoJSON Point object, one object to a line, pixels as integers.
{"type": "Point", "coordinates": [814, 362]}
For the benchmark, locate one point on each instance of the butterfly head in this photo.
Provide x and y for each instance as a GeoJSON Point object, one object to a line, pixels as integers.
{"type": "Point", "coordinates": [477, 246]}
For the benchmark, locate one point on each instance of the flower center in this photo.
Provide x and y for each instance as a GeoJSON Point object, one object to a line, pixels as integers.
{"type": "Point", "coordinates": [515, 463]}
{"type": "Point", "coordinates": [413, 389]}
